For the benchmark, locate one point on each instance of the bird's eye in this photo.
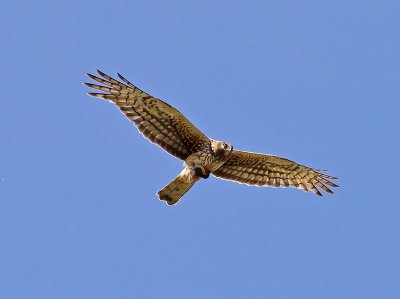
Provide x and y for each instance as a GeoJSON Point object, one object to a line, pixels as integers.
{"type": "Point", "coordinates": [225, 146]}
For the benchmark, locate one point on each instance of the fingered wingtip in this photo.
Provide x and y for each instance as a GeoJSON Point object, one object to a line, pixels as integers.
{"type": "Point", "coordinates": [126, 81]}
{"type": "Point", "coordinates": [100, 73]}
{"type": "Point", "coordinates": [98, 95]}
{"type": "Point", "coordinates": [90, 75]}
{"type": "Point", "coordinates": [121, 77]}
{"type": "Point", "coordinates": [91, 94]}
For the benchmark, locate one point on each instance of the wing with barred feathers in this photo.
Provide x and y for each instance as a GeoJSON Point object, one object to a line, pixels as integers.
{"type": "Point", "coordinates": [268, 170]}
{"type": "Point", "coordinates": [156, 120]}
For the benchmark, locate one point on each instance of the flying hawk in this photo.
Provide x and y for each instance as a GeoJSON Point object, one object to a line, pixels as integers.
{"type": "Point", "coordinates": [164, 125]}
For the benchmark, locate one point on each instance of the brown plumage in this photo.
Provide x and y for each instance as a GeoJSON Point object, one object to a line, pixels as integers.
{"type": "Point", "coordinates": [165, 126]}
{"type": "Point", "coordinates": [268, 170]}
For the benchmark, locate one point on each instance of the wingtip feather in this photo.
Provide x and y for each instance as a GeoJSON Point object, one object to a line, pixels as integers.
{"type": "Point", "coordinates": [91, 76]}
{"type": "Point", "coordinates": [126, 81]}
{"type": "Point", "coordinates": [92, 94]}
{"type": "Point", "coordinates": [103, 74]}
{"type": "Point", "coordinates": [99, 95]}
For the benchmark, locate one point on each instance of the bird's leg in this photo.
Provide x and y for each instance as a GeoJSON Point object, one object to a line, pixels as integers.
{"type": "Point", "coordinates": [201, 172]}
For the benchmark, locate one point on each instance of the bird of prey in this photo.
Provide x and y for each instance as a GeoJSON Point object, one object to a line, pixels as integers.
{"type": "Point", "coordinates": [165, 126]}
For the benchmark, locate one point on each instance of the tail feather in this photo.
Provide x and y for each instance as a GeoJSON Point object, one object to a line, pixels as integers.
{"type": "Point", "coordinates": [173, 192]}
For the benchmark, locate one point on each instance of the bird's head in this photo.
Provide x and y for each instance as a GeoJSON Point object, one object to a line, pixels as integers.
{"type": "Point", "coordinates": [221, 148]}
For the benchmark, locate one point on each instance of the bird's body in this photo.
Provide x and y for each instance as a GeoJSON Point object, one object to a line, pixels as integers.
{"type": "Point", "coordinates": [198, 165]}
{"type": "Point", "coordinates": [164, 125]}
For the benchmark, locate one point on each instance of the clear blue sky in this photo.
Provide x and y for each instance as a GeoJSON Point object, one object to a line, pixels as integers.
{"type": "Point", "coordinates": [313, 81]}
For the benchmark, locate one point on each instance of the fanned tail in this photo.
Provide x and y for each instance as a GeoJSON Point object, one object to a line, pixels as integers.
{"type": "Point", "coordinates": [173, 192]}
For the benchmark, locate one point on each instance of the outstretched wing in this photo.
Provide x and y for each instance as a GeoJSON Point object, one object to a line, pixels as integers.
{"type": "Point", "coordinates": [268, 170]}
{"type": "Point", "coordinates": [156, 120]}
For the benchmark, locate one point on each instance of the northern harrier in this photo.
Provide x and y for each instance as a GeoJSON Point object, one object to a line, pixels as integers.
{"type": "Point", "coordinates": [164, 125]}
